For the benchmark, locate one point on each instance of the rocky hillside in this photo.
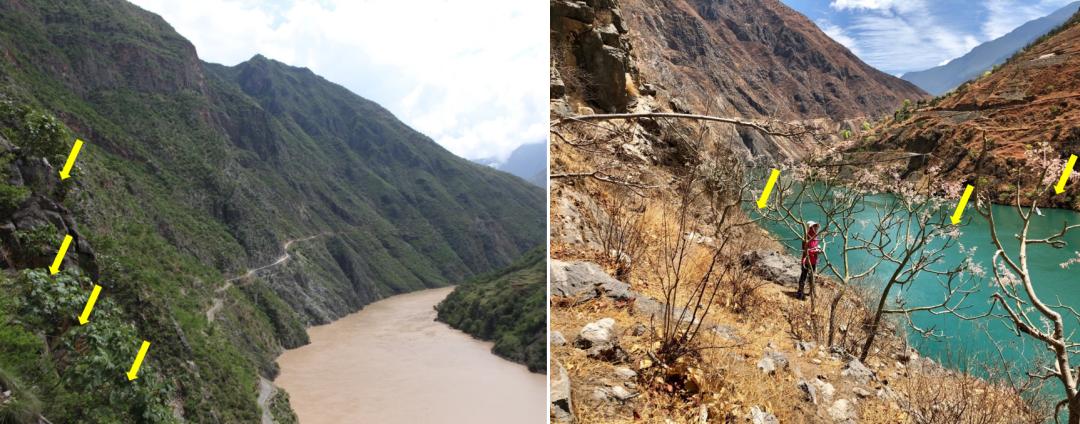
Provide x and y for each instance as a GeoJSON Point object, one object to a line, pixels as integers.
{"type": "Point", "coordinates": [985, 126]}
{"type": "Point", "coordinates": [741, 58]}
{"type": "Point", "coordinates": [193, 174]}
{"type": "Point", "coordinates": [508, 307]}
{"type": "Point", "coordinates": [941, 79]}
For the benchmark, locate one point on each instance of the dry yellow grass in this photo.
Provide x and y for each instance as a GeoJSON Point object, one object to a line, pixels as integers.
{"type": "Point", "coordinates": [721, 375]}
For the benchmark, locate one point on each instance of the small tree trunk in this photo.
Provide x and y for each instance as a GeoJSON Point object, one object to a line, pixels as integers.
{"type": "Point", "coordinates": [832, 315]}
{"type": "Point", "coordinates": [1074, 411]}
{"type": "Point", "coordinates": [873, 329]}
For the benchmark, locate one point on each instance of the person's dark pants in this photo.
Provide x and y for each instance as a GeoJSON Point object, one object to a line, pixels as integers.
{"type": "Point", "coordinates": [807, 271]}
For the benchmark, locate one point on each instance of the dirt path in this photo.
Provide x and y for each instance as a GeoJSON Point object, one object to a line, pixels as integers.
{"type": "Point", "coordinates": [267, 390]}
{"type": "Point", "coordinates": [219, 303]}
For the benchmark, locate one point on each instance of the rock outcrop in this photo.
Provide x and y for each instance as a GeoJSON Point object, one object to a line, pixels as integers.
{"type": "Point", "coordinates": [985, 127]}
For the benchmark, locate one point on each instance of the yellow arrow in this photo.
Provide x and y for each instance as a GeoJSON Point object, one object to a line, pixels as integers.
{"type": "Point", "coordinates": [764, 200]}
{"type": "Point", "coordinates": [963, 202]}
{"type": "Point", "coordinates": [66, 172]}
{"type": "Point", "coordinates": [1060, 187]}
{"type": "Point", "coordinates": [134, 373]}
{"type": "Point", "coordinates": [85, 317]}
{"type": "Point", "coordinates": [55, 268]}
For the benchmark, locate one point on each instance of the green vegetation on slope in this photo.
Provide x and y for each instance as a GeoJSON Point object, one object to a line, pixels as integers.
{"type": "Point", "coordinates": [191, 174]}
{"type": "Point", "coordinates": [508, 306]}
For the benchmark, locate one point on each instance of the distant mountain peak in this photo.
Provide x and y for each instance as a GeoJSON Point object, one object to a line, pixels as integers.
{"type": "Point", "coordinates": [941, 79]}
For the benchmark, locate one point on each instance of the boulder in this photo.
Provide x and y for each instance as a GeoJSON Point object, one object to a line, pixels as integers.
{"type": "Point", "coordinates": [809, 391]}
{"type": "Point", "coordinates": [773, 266]}
{"type": "Point", "coordinates": [599, 341]}
{"type": "Point", "coordinates": [825, 389]}
{"type": "Point", "coordinates": [613, 394]}
{"type": "Point", "coordinates": [856, 371]}
{"type": "Point", "coordinates": [586, 280]}
{"type": "Point", "coordinates": [842, 411]}
{"type": "Point", "coordinates": [557, 339]}
{"type": "Point", "coordinates": [562, 410]}
{"type": "Point", "coordinates": [596, 333]}
{"type": "Point", "coordinates": [759, 416]}
{"type": "Point", "coordinates": [771, 361]}
{"type": "Point", "coordinates": [861, 392]}
{"type": "Point", "coordinates": [576, 10]}
{"type": "Point", "coordinates": [625, 373]}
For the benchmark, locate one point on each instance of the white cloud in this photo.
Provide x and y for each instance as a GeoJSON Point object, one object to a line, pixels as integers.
{"type": "Point", "coordinates": [898, 36]}
{"type": "Point", "coordinates": [473, 75]}
{"type": "Point", "coordinates": [899, 5]}
{"type": "Point", "coordinates": [839, 35]}
{"type": "Point", "coordinates": [1003, 16]}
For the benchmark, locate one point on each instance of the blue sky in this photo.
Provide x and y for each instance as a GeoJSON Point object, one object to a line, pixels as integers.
{"type": "Point", "coordinates": [471, 75]}
{"type": "Point", "coordinates": [898, 36]}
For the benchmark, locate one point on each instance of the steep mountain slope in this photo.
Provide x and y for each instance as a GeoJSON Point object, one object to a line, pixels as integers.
{"type": "Point", "coordinates": [762, 58]}
{"type": "Point", "coordinates": [508, 306]}
{"type": "Point", "coordinates": [195, 172]}
{"type": "Point", "coordinates": [940, 79]}
{"type": "Point", "coordinates": [985, 126]}
{"type": "Point", "coordinates": [735, 58]}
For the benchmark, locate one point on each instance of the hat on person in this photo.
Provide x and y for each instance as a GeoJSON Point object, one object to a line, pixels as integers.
{"type": "Point", "coordinates": [810, 224]}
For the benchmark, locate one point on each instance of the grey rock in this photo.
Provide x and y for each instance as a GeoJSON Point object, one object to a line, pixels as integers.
{"type": "Point", "coordinates": [759, 416]}
{"type": "Point", "coordinates": [809, 391]}
{"type": "Point", "coordinates": [562, 410]}
{"type": "Point", "coordinates": [650, 307]}
{"type": "Point", "coordinates": [599, 341]}
{"type": "Point", "coordinates": [625, 373]}
{"type": "Point", "coordinates": [639, 329]}
{"type": "Point", "coordinates": [596, 333]}
{"type": "Point", "coordinates": [771, 361]}
{"type": "Point", "coordinates": [576, 10]}
{"type": "Point", "coordinates": [861, 392]}
{"type": "Point", "coordinates": [586, 280]}
{"type": "Point", "coordinates": [824, 388]}
{"type": "Point", "coordinates": [621, 393]}
{"type": "Point", "coordinates": [855, 370]}
{"type": "Point", "coordinates": [607, 66]}
{"type": "Point", "coordinates": [558, 87]}
{"type": "Point", "coordinates": [609, 34]}
{"type": "Point", "coordinates": [613, 394]}
{"type": "Point", "coordinates": [557, 339]}
{"type": "Point", "coordinates": [804, 346]}
{"type": "Point", "coordinates": [727, 333]}
{"type": "Point", "coordinates": [842, 411]}
{"type": "Point", "coordinates": [773, 266]}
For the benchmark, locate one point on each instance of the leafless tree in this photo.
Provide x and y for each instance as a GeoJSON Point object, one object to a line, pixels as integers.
{"type": "Point", "coordinates": [900, 240]}
{"type": "Point", "coordinates": [1015, 294]}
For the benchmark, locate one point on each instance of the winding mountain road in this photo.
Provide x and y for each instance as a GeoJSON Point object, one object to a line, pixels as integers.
{"type": "Point", "coordinates": [219, 303]}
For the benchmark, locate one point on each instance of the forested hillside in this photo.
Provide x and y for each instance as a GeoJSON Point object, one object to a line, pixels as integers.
{"type": "Point", "coordinates": [509, 307]}
{"type": "Point", "coordinates": [194, 173]}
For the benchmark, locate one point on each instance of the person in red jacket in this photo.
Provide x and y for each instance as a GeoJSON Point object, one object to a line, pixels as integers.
{"type": "Point", "coordinates": [811, 247]}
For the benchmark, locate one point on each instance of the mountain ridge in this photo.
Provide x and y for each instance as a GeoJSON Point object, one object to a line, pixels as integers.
{"type": "Point", "coordinates": [941, 79]}
{"type": "Point", "coordinates": [194, 171]}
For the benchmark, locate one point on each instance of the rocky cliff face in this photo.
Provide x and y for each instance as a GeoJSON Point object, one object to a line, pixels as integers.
{"type": "Point", "coordinates": [749, 59]}
{"type": "Point", "coordinates": [985, 126]}
{"type": "Point", "coordinates": [193, 174]}
{"type": "Point", "coordinates": [756, 58]}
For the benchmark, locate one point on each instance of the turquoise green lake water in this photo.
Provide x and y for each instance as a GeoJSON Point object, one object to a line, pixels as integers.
{"type": "Point", "coordinates": [967, 344]}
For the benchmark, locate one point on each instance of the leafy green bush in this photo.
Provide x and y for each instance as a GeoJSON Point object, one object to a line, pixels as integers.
{"type": "Point", "coordinates": [76, 357]}
{"type": "Point", "coordinates": [37, 132]}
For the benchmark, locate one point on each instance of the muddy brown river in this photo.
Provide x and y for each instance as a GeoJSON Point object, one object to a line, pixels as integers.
{"type": "Point", "coordinates": [393, 363]}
